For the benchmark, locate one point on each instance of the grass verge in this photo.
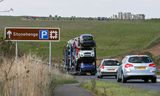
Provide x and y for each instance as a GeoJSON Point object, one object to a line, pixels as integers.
{"type": "Point", "coordinates": [103, 88]}
{"type": "Point", "coordinates": [29, 77]}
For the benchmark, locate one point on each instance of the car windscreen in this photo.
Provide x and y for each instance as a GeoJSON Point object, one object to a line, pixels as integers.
{"type": "Point", "coordinates": [87, 38]}
{"type": "Point", "coordinates": [140, 60]}
{"type": "Point", "coordinates": [110, 63]}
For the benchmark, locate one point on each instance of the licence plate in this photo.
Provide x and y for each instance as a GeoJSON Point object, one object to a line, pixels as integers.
{"type": "Point", "coordinates": [141, 68]}
{"type": "Point", "coordinates": [111, 70]}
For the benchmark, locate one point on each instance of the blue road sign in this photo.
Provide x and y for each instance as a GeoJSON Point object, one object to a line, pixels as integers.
{"type": "Point", "coordinates": [43, 34]}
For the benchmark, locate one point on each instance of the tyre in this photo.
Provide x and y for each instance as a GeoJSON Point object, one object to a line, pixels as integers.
{"type": "Point", "coordinates": [154, 80]}
{"type": "Point", "coordinates": [101, 76]}
{"type": "Point", "coordinates": [93, 73]}
{"type": "Point", "coordinates": [118, 79]}
{"type": "Point", "coordinates": [97, 75]}
{"type": "Point", "coordinates": [81, 72]}
{"type": "Point", "coordinates": [115, 76]}
{"type": "Point", "coordinates": [124, 80]}
{"type": "Point", "coordinates": [146, 80]}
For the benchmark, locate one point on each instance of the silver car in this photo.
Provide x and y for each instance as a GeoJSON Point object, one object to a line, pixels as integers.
{"type": "Point", "coordinates": [137, 67]}
{"type": "Point", "coordinates": [108, 67]}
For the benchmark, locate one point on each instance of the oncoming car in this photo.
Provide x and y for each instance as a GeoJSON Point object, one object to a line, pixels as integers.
{"type": "Point", "coordinates": [137, 67]}
{"type": "Point", "coordinates": [108, 67]}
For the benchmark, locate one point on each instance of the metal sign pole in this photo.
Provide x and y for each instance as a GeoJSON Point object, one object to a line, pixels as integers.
{"type": "Point", "coordinates": [16, 61]}
{"type": "Point", "coordinates": [16, 52]}
{"type": "Point", "coordinates": [50, 56]}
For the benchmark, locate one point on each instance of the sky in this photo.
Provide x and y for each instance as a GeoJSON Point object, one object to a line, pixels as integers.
{"type": "Point", "coordinates": [80, 8]}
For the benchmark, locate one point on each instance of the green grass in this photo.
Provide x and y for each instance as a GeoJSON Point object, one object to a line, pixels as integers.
{"type": "Point", "coordinates": [112, 37]}
{"type": "Point", "coordinates": [62, 78]}
{"type": "Point", "coordinates": [103, 88]}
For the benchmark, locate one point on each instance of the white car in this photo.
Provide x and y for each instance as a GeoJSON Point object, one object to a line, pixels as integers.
{"type": "Point", "coordinates": [108, 67]}
{"type": "Point", "coordinates": [137, 67]}
{"type": "Point", "coordinates": [86, 53]}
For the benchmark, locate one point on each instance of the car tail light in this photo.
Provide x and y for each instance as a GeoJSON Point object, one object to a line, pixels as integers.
{"type": "Point", "coordinates": [152, 65]}
{"type": "Point", "coordinates": [102, 67]}
{"type": "Point", "coordinates": [128, 65]}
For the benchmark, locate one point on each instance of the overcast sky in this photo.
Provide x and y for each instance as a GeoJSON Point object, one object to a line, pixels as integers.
{"type": "Point", "coordinates": [83, 8]}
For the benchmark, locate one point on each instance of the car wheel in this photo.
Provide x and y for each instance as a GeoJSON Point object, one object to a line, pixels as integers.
{"type": "Point", "coordinates": [154, 80]}
{"type": "Point", "coordinates": [146, 80]}
{"type": "Point", "coordinates": [118, 79]}
{"type": "Point", "coordinates": [115, 76]}
{"type": "Point", "coordinates": [124, 80]}
{"type": "Point", "coordinates": [101, 76]}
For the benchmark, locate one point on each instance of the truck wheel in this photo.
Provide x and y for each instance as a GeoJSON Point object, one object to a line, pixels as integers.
{"type": "Point", "coordinates": [93, 73]}
{"type": "Point", "coordinates": [154, 80]}
{"type": "Point", "coordinates": [81, 72]}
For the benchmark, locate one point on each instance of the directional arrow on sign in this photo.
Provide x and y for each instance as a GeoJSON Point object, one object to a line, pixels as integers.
{"type": "Point", "coordinates": [9, 33]}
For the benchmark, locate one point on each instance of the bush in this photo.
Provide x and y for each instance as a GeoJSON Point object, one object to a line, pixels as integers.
{"type": "Point", "coordinates": [7, 48]}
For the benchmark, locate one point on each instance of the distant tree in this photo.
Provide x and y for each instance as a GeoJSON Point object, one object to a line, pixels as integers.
{"type": "Point", "coordinates": [59, 17]}
{"type": "Point", "coordinates": [73, 18]}
{"type": "Point", "coordinates": [56, 16]}
{"type": "Point", "coordinates": [50, 16]}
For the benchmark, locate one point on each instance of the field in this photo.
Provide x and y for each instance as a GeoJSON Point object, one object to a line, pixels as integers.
{"type": "Point", "coordinates": [113, 37]}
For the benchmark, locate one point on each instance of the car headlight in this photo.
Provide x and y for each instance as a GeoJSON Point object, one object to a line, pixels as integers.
{"type": "Point", "coordinates": [92, 55]}
{"type": "Point", "coordinates": [81, 55]}
{"type": "Point", "coordinates": [82, 65]}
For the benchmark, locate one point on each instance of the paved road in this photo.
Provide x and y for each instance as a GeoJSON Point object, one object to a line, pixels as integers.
{"type": "Point", "coordinates": [134, 83]}
{"type": "Point", "coordinates": [75, 90]}
{"type": "Point", "coordinates": [71, 90]}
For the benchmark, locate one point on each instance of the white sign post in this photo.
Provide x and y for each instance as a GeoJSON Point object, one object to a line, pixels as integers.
{"type": "Point", "coordinates": [50, 56]}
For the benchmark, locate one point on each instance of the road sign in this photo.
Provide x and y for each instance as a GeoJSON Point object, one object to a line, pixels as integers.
{"type": "Point", "coordinates": [32, 34]}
